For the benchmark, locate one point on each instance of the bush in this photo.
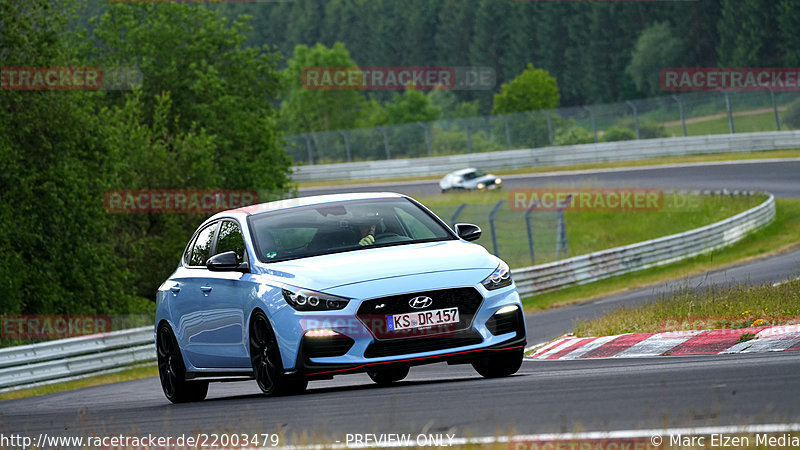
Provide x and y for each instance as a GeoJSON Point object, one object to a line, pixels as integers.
{"type": "Point", "coordinates": [791, 117]}
{"type": "Point", "coordinates": [647, 129]}
{"type": "Point", "coordinates": [574, 135]}
{"type": "Point", "coordinates": [454, 141]}
{"type": "Point", "coordinates": [614, 134]}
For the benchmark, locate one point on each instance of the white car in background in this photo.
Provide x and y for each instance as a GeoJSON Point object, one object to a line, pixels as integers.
{"type": "Point", "coordinates": [469, 179]}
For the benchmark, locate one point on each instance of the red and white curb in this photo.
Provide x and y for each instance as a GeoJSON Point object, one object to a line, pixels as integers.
{"type": "Point", "coordinates": [636, 345]}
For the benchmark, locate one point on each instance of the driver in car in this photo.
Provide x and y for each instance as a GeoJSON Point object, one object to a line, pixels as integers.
{"type": "Point", "coordinates": [366, 228]}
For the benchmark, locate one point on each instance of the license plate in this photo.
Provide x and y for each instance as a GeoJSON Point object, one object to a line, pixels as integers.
{"type": "Point", "coordinates": [421, 319]}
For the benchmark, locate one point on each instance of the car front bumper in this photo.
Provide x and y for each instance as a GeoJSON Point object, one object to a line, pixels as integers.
{"type": "Point", "coordinates": [357, 349]}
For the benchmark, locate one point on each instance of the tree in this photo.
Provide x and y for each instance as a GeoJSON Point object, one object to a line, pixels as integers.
{"type": "Point", "coordinates": [533, 90]}
{"type": "Point", "coordinates": [456, 18]}
{"type": "Point", "coordinates": [145, 154]}
{"type": "Point", "coordinates": [214, 83]}
{"type": "Point", "coordinates": [656, 49]}
{"type": "Point", "coordinates": [451, 108]}
{"type": "Point", "coordinates": [789, 22]}
{"type": "Point", "coordinates": [307, 110]}
{"type": "Point", "coordinates": [410, 107]}
{"type": "Point", "coordinates": [490, 42]}
{"type": "Point", "coordinates": [749, 33]}
{"type": "Point", "coordinates": [58, 254]}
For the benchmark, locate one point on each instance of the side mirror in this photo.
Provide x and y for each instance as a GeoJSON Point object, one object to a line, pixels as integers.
{"type": "Point", "coordinates": [468, 231]}
{"type": "Point", "coordinates": [226, 262]}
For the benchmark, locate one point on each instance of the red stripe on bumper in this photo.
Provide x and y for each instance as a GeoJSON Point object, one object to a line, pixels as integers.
{"type": "Point", "coordinates": [350, 369]}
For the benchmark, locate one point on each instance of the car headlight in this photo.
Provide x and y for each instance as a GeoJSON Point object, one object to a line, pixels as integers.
{"type": "Point", "coordinates": [501, 277]}
{"type": "Point", "coordinates": [307, 300]}
{"type": "Point", "coordinates": [481, 185]}
{"type": "Point", "coordinates": [498, 181]}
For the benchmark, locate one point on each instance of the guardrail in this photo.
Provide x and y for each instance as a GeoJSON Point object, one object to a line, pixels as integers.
{"type": "Point", "coordinates": [563, 155]}
{"type": "Point", "coordinates": [630, 258]}
{"type": "Point", "coordinates": [66, 359]}
{"type": "Point", "coordinates": [73, 358]}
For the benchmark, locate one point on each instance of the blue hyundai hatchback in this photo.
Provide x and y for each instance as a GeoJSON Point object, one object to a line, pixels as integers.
{"type": "Point", "coordinates": [308, 288]}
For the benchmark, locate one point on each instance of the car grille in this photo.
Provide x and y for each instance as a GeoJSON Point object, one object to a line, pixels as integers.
{"type": "Point", "coordinates": [372, 313]}
{"type": "Point", "coordinates": [396, 347]}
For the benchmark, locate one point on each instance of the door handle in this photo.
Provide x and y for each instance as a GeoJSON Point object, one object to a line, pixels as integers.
{"type": "Point", "coordinates": [206, 290]}
{"type": "Point", "coordinates": [175, 289]}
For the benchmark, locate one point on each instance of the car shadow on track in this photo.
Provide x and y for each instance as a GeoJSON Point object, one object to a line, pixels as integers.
{"type": "Point", "coordinates": [364, 387]}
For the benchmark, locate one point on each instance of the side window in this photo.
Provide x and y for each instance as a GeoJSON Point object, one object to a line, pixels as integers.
{"type": "Point", "coordinates": [230, 239]}
{"type": "Point", "coordinates": [202, 246]}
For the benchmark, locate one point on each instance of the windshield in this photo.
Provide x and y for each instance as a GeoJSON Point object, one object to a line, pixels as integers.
{"type": "Point", "coordinates": [342, 226]}
{"type": "Point", "coordinates": [475, 174]}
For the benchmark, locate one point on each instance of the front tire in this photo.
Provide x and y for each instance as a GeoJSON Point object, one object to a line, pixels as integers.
{"type": "Point", "coordinates": [385, 377]}
{"type": "Point", "coordinates": [172, 371]}
{"type": "Point", "coordinates": [266, 359]}
{"type": "Point", "coordinates": [502, 365]}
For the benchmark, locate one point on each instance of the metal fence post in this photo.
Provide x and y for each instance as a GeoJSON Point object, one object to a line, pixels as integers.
{"type": "Point", "coordinates": [531, 247]}
{"type": "Point", "coordinates": [730, 112]}
{"type": "Point", "coordinates": [346, 144]}
{"type": "Point", "coordinates": [635, 118]}
{"type": "Point", "coordinates": [427, 137]}
{"type": "Point", "coordinates": [308, 147]}
{"type": "Point", "coordinates": [680, 110]}
{"type": "Point", "coordinates": [550, 128]}
{"type": "Point", "coordinates": [775, 109]}
{"type": "Point", "coordinates": [508, 131]}
{"type": "Point", "coordinates": [562, 245]}
{"type": "Point", "coordinates": [455, 215]}
{"type": "Point", "coordinates": [469, 136]}
{"type": "Point", "coordinates": [594, 123]}
{"type": "Point", "coordinates": [492, 216]}
{"type": "Point", "coordinates": [385, 142]}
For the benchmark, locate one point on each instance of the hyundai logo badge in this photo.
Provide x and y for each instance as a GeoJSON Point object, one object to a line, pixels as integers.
{"type": "Point", "coordinates": [420, 302]}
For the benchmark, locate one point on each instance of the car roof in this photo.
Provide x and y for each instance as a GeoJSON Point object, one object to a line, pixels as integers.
{"type": "Point", "coordinates": [463, 171]}
{"type": "Point", "coordinates": [302, 201]}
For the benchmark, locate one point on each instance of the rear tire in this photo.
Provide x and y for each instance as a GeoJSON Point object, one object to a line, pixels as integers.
{"type": "Point", "coordinates": [266, 359]}
{"type": "Point", "coordinates": [172, 371]}
{"type": "Point", "coordinates": [502, 365]}
{"type": "Point", "coordinates": [385, 377]}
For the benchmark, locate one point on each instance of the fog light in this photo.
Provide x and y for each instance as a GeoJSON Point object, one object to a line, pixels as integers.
{"type": "Point", "coordinates": [507, 309]}
{"type": "Point", "coordinates": [321, 333]}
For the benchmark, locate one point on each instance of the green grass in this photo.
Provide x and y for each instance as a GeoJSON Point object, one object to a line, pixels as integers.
{"type": "Point", "coordinates": [780, 236]}
{"type": "Point", "coordinates": [742, 124]}
{"type": "Point", "coordinates": [793, 153]}
{"type": "Point", "coordinates": [587, 232]}
{"type": "Point", "coordinates": [133, 373]}
{"type": "Point", "coordinates": [712, 308]}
